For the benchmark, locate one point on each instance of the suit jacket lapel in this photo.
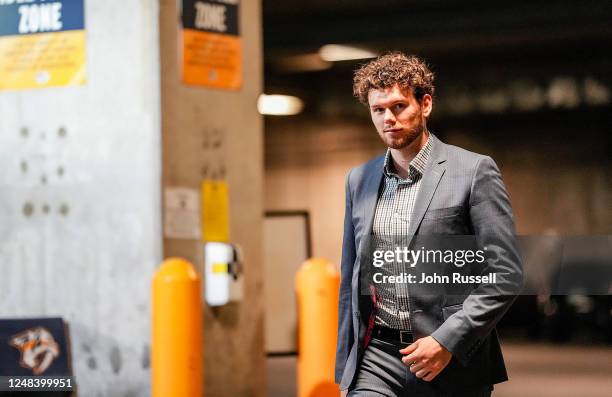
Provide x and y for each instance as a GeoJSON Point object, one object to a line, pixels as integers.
{"type": "Point", "coordinates": [431, 178]}
{"type": "Point", "coordinates": [373, 181]}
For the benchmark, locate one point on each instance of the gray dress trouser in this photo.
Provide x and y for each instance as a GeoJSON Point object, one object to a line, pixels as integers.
{"type": "Point", "coordinates": [383, 374]}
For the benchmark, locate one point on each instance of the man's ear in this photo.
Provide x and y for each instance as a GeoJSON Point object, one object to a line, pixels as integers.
{"type": "Point", "coordinates": [426, 105]}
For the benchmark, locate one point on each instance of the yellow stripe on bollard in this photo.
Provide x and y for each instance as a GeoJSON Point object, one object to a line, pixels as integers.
{"type": "Point", "coordinates": [176, 341]}
{"type": "Point", "coordinates": [317, 287]}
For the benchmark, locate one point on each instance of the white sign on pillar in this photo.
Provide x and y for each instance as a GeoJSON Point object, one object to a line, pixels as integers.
{"type": "Point", "coordinates": [182, 213]}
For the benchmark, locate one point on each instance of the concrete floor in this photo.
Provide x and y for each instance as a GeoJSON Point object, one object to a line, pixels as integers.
{"type": "Point", "coordinates": [557, 370]}
{"type": "Point", "coordinates": [535, 370]}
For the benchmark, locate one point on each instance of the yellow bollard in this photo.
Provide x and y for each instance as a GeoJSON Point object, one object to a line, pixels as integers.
{"type": "Point", "coordinates": [176, 341]}
{"type": "Point", "coordinates": [317, 287]}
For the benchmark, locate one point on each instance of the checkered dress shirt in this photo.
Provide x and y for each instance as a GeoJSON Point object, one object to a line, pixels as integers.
{"type": "Point", "coordinates": [391, 221]}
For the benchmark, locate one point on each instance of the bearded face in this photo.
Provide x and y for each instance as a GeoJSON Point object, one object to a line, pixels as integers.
{"type": "Point", "coordinates": [398, 117]}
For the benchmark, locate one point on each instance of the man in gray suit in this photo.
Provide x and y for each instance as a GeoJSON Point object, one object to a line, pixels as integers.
{"type": "Point", "coordinates": [404, 338]}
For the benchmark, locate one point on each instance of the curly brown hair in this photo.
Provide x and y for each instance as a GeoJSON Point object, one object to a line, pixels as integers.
{"type": "Point", "coordinates": [408, 71]}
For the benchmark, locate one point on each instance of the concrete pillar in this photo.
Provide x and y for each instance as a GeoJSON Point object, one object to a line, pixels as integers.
{"type": "Point", "coordinates": [80, 229]}
{"type": "Point", "coordinates": [80, 197]}
{"type": "Point", "coordinates": [220, 133]}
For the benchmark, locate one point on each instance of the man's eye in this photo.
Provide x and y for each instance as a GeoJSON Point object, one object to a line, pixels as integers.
{"type": "Point", "coordinates": [400, 106]}
{"type": "Point", "coordinates": [378, 110]}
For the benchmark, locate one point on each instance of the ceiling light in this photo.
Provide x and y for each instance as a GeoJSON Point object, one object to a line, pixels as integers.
{"type": "Point", "coordinates": [336, 52]}
{"type": "Point", "coordinates": [279, 105]}
{"type": "Point", "coordinates": [311, 62]}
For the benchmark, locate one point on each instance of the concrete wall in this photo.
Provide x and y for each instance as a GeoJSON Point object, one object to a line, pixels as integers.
{"type": "Point", "coordinates": [80, 232]}
{"type": "Point", "coordinates": [306, 165]}
{"type": "Point", "coordinates": [559, 177]}
{"type": "Point", "coordinates": [219, 133]}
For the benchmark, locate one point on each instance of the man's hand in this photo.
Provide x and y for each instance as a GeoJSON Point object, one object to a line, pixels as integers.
{"type": "Point", "coordinates": [426, 358]}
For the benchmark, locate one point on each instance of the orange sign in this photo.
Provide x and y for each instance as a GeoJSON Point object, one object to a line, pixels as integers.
{"type": "Point", "coordinates": [212, 53]}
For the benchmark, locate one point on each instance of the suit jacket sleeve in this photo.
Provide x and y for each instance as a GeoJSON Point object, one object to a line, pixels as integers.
{"type": "Point", "coordinates": [345, 318]}
{"type": "Point", "coordinates": [493, 226]}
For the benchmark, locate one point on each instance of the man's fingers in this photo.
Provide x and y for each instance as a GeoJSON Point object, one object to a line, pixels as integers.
{"type": "Point", "coordinates": [417, 367]}
{"type": "Point", "coordinates": [422, 373]}
{"type": "Point", "coordinates": [429, 377]}
{"type": "Point", "coordinates": [411, 358]}
{"type": "Point", "coordinates": [409, 349]}
{"type": "Point", "coordinates": [411, 354]}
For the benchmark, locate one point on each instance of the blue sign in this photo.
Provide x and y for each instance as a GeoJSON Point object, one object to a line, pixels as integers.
{"type": "Point", "coordinates": [19, 17]}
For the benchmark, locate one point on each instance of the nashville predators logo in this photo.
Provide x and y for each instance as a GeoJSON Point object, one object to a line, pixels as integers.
{"type": "Point", "coordinates": [38, 349]}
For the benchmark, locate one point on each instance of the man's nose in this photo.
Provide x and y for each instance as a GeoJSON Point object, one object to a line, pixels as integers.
{"type": "Point", "coordinates": [389, 117]}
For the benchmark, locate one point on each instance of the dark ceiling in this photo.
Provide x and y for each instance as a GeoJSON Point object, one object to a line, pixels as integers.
{"type": "Point", "coordinates": [294, 25]}
{"type": "Point", "coordinates": [469, 42]}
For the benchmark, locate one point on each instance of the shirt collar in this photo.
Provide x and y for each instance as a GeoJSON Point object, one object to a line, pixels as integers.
{"type": "Point", "coordinates": [417, 165]}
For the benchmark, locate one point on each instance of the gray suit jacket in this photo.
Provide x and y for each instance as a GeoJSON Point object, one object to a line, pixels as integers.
{"type": "Point", "coordinates": [461, 193]}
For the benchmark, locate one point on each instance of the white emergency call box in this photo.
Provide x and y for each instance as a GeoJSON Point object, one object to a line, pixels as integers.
{"type": "Point", "coordinates": [222, 274]}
